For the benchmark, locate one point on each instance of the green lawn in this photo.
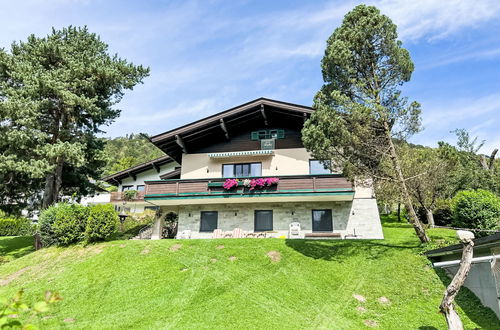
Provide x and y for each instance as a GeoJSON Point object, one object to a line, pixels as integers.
{"type": "Point", "coordinates": [198, 284]}
{"type": "Point", "coordinates": [15, 247]}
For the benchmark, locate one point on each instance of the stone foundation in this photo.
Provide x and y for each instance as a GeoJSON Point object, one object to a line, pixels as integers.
{"type": "Point", "coordinates": [356, 219]}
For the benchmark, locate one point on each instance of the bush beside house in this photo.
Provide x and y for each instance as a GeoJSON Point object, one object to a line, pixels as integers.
{"type": "Point", "coordinates": [65, 224]}
{"type": "Point", "coordinates": [102, 222]}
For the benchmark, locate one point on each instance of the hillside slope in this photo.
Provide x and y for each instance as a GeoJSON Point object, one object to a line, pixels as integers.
{"type": "Point", "coordinates": [238, 283]}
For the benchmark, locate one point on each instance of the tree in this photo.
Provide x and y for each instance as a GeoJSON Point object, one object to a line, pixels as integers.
{"type": "Point", "coordinates": [427, 176]}
{"type": "Point", "coordinates": [130, 150]}
{"type": "Point", "coordinates": [359, 109]}
{"type": "Point", "coordinates": [56, 92]}
{"type": "Point", "coordinates": [473, 170]}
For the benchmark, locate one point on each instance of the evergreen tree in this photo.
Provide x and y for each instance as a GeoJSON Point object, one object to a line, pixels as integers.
{"type": "Point", "coordinates": [359, 109]}
{"type": "Point", "coordinates": [56, 93]}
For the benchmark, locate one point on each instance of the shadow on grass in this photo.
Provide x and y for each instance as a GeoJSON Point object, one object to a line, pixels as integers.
{"type": "Point", "coordinates": [340, 250]}
{"type": "Point", "coordinates": [16, 247]}
{"type": "Point", "coordinates": [471, 305]}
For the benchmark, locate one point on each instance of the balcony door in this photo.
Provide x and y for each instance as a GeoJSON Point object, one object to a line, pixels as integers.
{"type": "Point", "coordinates": [322, 221]}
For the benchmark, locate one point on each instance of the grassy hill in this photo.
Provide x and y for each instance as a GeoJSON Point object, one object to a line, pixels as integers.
{"type": "Point", "coordinates": [242, 283]}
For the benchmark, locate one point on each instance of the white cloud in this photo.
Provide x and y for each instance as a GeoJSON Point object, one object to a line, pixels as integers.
{"type": "Point", "coordinates": [431, 19]}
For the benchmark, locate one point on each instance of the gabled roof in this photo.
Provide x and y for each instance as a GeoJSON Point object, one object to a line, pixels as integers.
{"type": "Point", "coordinates": [221, 125]}
{"type": "Point", "coordinates": [134, 170]}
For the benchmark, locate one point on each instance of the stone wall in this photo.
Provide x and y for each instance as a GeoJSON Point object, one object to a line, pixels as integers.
{"type": "Point", "coordinates": [359, 217]}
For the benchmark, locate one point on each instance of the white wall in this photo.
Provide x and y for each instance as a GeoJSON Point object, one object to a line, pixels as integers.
{"type": "Point", "coordinates": [284, 162]}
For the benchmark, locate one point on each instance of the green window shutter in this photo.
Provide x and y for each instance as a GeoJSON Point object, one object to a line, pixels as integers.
{"type": "Point", "coordinates": [281, 134]}
{"type": "Point", "coordinates": [255, 136]}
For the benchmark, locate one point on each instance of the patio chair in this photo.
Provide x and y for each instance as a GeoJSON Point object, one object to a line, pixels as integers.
{"type": "Point", "coordinates": [294, 230]}
{"type": "Point", "coordinates": [185, 234]}
{"type": "Point", "coordinates": [217, 233]}
{"type": "Point", "coordinates": [237, 233]}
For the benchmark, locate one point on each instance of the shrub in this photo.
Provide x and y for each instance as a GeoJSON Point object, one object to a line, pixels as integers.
{"type": "Point", "coordinates": [129, 195]}
{"type": "Point", "coordinates": [442, 213]}
{"type": "Point", "coordinates": [63, 224]}
{"type": "Point", "coordinates": [11, 226]}
{"type": "Point", "coordinates": [134, 223]}
{"type": "Point", "coordinates": [102, 222]}
{"type": "Point", "coordinates": [478, 209]}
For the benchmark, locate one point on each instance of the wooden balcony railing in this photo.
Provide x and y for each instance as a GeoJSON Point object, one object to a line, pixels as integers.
{"type": "Point", "coordinates": [327, 183]}
{"type": "Point", "coordinates": [118, 196]}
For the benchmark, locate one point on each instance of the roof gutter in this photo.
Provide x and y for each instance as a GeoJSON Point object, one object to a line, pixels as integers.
{"type": "Point", "coordinates": [444, 264]}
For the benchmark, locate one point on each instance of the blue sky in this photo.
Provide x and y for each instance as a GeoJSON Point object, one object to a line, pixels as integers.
{"type": "Point", "coordinates": [207, 56]}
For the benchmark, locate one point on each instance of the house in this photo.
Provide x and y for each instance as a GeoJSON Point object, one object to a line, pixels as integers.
{"type": "Point", "coordinates": [484, 276]}
{"type": "Point", "coordinates": [278, 182]}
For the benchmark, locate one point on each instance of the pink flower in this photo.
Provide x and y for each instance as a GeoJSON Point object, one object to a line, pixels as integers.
{"type": "Point", "coordinates": [230, 183]}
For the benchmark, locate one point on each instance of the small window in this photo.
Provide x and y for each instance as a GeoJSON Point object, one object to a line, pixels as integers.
{"type": "Point", "coordinates": [208, 221]}
{"type": "Point", "coordinates": [140, 187]}
{"type": "Point", "coordinates": [322, 220]}
{"type": "Point", "coordinates": [263, 220]}
{"type": "Point", "coordinates": [316, 167]}
{"type": "Point", "coordinates": [125, 188]}
{"type": "Point", "coordinates": [152, 208]}
{"type": "Point", "coordinates": [268, 134]}
{"type": "Point", "coordinates": [241, 170]}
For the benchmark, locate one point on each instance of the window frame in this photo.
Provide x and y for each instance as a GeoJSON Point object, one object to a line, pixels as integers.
{"type": "Point", "coordinates": [319, 160]}
{"type": "Point", "coordinates": [201, 221]}
{"type": "Point", "coordinates": [140, 185]}
{"type": "Point", "coordinates": [312, 221]}
{"type": "Point", "coordinates": [240, 176]}
{"type": "Point", "coordinates": [255, 221]}
{"type": "Point", "coordinates": [129, 187]}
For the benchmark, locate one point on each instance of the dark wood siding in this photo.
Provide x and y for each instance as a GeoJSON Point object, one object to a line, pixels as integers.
{"type": "Point", "coordinates": [243, 142]}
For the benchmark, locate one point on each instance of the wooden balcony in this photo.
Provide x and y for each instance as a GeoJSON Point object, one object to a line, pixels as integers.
{"type": "Point", "coordinates": [118, 196]}
{"type": "Point", "coordinates": [288, 187]}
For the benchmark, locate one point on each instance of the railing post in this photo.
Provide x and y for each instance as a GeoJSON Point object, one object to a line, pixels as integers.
{"type": "Point", "coordinates": [314, 183]}
{"type": "Point", "coordinates": [177, 188]}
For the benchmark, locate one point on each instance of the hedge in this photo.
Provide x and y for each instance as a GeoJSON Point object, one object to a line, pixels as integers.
{"type": "Point", "coordinates": [16, 227]}
{"type": "Point", "coordinates": [65, 223]}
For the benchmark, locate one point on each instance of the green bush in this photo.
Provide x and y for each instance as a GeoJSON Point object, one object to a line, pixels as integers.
{"type": "Point", "coordinates": [11, 226]}
{"type": "Point", "coordinates": [477, 209]}
{"type": "Point", "coordinates": [442, 213]}
{"type": "Point", "coordinates": [102, 222]}
{"type": "Point", "coordinates": [63, 224]}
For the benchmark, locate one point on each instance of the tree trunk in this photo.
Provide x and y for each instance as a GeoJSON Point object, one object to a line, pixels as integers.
{"type": "Point", "coordinates": [399, 211]}
{"type": "Point", "coordinates": [446, 307]}
{"type": "Point", "coordinates": [53, 183]}
{"type": "Point", "coordinates": [430, 218]}
{"type": "Point", "coordinates": [417, 225]}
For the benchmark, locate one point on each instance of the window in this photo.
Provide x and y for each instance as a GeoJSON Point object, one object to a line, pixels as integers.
{"type": "Point", "coordinates": [241, 170]}
{"type": "Point", "coordinates": [208, 221]}
{"type": "Point", "coordinates": [125, 188]}
{"type": "Point", "coordinates": [268, 134]}
{"type": "Point", "coordinates": [322, 220]}
{"type": "Point", "coordinates": [316, 167]}
{"type": "Point", "coordinates": [140, 187]}
{"type": "Point", "coordinates": [263, 220]}
{"type": "Point", "coordinates": [152, 208]}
